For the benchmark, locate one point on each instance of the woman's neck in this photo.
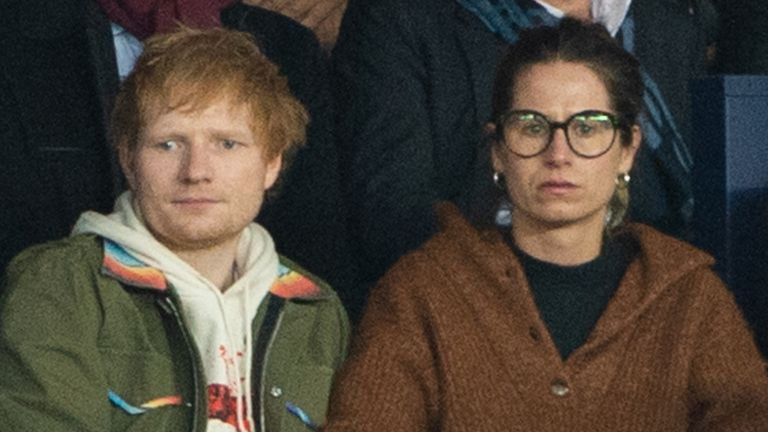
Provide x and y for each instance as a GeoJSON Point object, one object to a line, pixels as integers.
{"type": "Point", "coordinates": [566, 245]}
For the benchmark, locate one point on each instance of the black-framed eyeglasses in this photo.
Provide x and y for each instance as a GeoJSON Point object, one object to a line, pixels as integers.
{"type": "Point", "coordinates": [589, 134]}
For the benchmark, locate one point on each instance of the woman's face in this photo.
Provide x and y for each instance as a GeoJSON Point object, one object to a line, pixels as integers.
{"type": "Point", "coordinates": [557, 187]}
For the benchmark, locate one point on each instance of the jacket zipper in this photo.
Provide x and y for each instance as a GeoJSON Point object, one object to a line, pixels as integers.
{"type": "Point", "coordinates": [193, 358]}
{"type": "Point", "coordinates": [262, 389]}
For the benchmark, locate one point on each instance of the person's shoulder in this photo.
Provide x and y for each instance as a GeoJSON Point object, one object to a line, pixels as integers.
{"type": "Point", "coordinates": [269, 26]}
{"type": "Point", "coordinates": [666, 259]}
{"type": "Point", "coordinates": [61, 271]}
{"type": "Point", "coordinates": [299, 283]}
{"type": "Point", "coordinates": [78, 251]}
{"type": "Point", "coordinates": [458, 245]}
{"type": "Point", "coordinates": [456, 232]}
{"type": "Point", "coordinates": [655, 242]}
{"type": "Point", "coordinates": [414, 10]}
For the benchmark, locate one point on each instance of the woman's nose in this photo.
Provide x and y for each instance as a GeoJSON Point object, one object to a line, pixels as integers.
{"type": "Point", "coordinates": [558, 150]}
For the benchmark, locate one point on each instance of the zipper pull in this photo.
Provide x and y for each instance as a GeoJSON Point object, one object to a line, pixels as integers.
{"type": "Point", "coordinates": [165, 304]}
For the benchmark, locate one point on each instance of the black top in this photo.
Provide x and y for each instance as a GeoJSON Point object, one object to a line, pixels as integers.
{"type": "Point", "coordinates": [571, 299]}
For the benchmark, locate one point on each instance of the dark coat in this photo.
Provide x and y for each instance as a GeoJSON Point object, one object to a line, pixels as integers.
{"type": "Point", "coordinates": [742, 46]}
{"type": "Point", "coordinates": [412, 82]}
{"type": "Point", "coordinates": [306, 215]}
{"type": "Point", "coordinates": [57, 79]}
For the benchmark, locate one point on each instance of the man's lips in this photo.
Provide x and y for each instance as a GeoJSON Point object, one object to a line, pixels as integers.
{"type": "Point", "coordinates": [195, 201]}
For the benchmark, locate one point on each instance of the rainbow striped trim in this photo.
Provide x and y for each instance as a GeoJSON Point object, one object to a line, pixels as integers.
{"type": "Point", "coordinates": [291, 284]}
{"type": "Point", "coordinates": [301, 415]}
{"type": "Point", "coordinates": [121, 265]}
{"type": "Point", "coordinates": [165, 401]}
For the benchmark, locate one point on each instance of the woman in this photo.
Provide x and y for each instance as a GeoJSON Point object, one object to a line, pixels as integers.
{"type": "Point", "coordinates": [569, 321]}
{"type": "Point", "coordinates": [425, 70]}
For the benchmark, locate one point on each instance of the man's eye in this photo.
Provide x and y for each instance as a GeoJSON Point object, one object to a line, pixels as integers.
{"type": "Point", "coordinates": [229, 144]}
{"type": "Point", "coordinates": [169, 145]}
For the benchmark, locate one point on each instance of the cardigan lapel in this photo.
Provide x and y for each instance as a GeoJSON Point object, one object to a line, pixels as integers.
{"type": "Point", "coordinates": [506, 309]}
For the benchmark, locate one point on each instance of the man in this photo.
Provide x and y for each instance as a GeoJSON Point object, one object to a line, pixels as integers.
{"type": "Point", "coordinates": [61, 64]}
{"type": "Point", "coordinates": [175, 312]}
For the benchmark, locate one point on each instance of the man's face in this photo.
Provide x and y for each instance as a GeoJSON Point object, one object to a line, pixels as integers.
{"type": "Point", "coordinates": [199, 177]}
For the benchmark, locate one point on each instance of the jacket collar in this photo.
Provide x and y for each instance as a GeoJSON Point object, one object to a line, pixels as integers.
{"type": "Point", "coordinates": [291, 284]}
{"type": "Point", "coordinates": [660, 263]}
{"type": "Point", "coordinates": [119, 264]}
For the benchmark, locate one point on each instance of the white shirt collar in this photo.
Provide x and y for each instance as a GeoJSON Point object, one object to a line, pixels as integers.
{"type": "Point", "coordinates": [610, 13]}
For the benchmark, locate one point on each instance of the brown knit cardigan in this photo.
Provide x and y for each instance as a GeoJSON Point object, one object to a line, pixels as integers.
{"type": "Point", "coordinates": [452, 341]}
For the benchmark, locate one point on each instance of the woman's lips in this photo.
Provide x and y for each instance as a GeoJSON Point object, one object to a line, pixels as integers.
{"type": "Point", "coordinates": [557, 187]}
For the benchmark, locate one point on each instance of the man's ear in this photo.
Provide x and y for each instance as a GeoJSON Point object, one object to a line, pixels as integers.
{"type": "Point", "coordinates": [126, 158]}
{"type": "Point", "coordinates": [272, 171]}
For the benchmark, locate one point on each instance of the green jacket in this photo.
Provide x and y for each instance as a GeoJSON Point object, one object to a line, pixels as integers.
{"type": "Point", "coordinates": [75, 327]}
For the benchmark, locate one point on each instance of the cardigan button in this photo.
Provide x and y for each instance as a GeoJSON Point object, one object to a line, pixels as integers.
{"type": "Point", "coordinates": [276, 391]}
{"type": "Point", "coordinates": [559, 388]}
{"type": "Point", "coordinates": [534, 334]}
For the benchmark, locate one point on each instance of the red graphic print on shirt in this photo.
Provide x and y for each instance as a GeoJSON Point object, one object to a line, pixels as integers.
{"type": "Point", "coordinates": [223, 406]}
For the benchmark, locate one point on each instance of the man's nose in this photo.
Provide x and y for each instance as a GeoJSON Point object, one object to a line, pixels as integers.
{"type": "Point", "coordinates": [196, 164]}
